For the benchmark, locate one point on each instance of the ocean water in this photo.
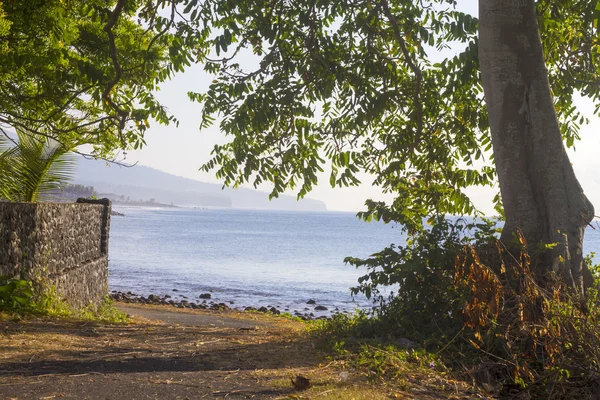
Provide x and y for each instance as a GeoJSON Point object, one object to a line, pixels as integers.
{"type": "Point", "coordinates": [248, 257]}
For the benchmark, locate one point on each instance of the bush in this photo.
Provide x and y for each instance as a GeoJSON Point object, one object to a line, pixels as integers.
{"type": "Point", "coordinates": [15, 294]}
{"type": "Point", "coordinates": [425, 303]}
{"type": "Point", "coordinates": [18, 296]}
{"type": "Point", "coordinates": [461, 294]}
{"type": "Point", "coordinates": [541, 341]}
{"type": "Point", "coordinates": [49, 303]}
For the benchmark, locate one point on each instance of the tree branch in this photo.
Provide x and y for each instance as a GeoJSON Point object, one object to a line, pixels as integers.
{"type": "Point", "coordinates": [114, 16]}
{"type": "Point", "coordinates": [414, 68]}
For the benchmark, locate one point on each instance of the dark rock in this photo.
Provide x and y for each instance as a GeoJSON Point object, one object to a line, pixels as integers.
{"type": "Point", "coordinates": [405, 343]}
{"type": "Point", "coordinates": [154, 298]}
{"type": "Point", "coordinates": [311, 301]}
{"type": "Point", "coordinates": [274, 311]}
{"type": "Point", "coordinates": [249, 309]}
{"type": "Point", "coordinates": [175, 290]}
{"type": "Point", "coordinates": [167, 296]}
{"type": "Point", "coordinates": [205, 296]}
{"type": "Point", "coordinates": [263, 309]}
{"type": "Point", "coordinates": [320, 308]}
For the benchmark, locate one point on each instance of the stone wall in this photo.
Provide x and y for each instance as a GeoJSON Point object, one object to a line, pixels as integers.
{"type": "Point", "coordinates": [58, 244]}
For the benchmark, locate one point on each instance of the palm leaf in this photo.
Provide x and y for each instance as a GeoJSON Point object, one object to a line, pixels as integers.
{"type": "Point", "coordinates": [34, 169]}
{"type": "Point", "coordinates": [9, 186]}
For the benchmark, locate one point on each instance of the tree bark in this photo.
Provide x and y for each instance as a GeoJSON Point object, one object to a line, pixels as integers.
{"type": "Point", "coordinates": [541, 195]}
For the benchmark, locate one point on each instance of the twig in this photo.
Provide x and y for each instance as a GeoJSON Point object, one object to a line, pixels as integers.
{"type": "Point", "coordinates": [89, 373]}
{"type": "Point", "coordinates": [452, 340]}
{"type": "Point", "coordinates": [212, 341]}
{"type": "Point", "coordinates": [20, 383]}
{"type": "Point", "coordinates": [168, 382]}
{"type": "Point", "coordinates": [325, 367]}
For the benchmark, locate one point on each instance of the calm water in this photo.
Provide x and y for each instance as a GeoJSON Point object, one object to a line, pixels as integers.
{"type": "Point", "coordinates": [250, 257]}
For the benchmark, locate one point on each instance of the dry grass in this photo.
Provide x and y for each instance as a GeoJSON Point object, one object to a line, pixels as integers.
{"type": "Point", "coordinates": [44, 357]}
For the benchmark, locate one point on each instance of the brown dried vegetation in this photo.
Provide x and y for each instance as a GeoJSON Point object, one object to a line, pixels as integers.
{"type": "Point", "coordinates": [532, 338]}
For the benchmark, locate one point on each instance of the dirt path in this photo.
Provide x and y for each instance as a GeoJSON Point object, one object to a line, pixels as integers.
{"type": "Point", "coordinates": [174, 355]}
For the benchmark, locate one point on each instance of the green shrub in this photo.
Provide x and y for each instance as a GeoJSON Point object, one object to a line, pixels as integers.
{"type": "Point", "coordinates": [49, 303]}
{"type": "Point", "coordinates": [472, 305]}
{"type": "Point", "coordinates": [425, 303]}
{"type": "Point", "coordinates": [15, 294]}
{"type": "Point", "coordinates": [20, 296]}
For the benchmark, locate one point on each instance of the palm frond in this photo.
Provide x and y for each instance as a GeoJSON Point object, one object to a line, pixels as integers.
{"type": "Point", "coordinates": [34, 168]}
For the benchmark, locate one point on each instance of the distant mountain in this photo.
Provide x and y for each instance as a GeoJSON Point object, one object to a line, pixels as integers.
{"type": "Point", "coordinates": [144, 183]}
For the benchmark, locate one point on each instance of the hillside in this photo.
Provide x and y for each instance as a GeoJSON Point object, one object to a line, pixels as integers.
{"type": "Point", "coordinates": [143, 183]}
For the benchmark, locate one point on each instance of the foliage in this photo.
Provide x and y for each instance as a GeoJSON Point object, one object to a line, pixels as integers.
{"type": "Point", "coordinates": [15, 295]}
{"type": "Point", "coordinates": [105, 312]}
{"type": "Point", "coordinates": [370, 87]}
{"type": "Point", "coordinates": [33, 167]}
{"type": "Point", "coordinates": [4, 26]}
{"type": "Point", "coordinates": [85, 71]}
{"type": "Point", "coordinates": [49, 303]}
{"type": "Point", "coordinates": [414, 284]}
{"type": "Point", "coordinates": [382, 359]}
{"type": "Point", "coordinates": [473, 306]}
{"type": "Point", "coordinates": [21, 296]}
{"type": "Point", "coordinates": [76, 190]}
{"type": "Point", "coordinates": [390, 361]}
{"type": "Point", "coordinates": [542, 341]}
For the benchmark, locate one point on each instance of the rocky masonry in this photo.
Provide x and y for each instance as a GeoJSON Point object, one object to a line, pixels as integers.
{"type": "Point", "coordinates": [59, 245]}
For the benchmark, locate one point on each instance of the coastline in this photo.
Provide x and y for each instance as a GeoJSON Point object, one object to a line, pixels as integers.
{"type": "Point", "coordinates": [312, 311]}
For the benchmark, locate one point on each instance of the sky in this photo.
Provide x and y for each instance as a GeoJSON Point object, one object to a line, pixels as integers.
{"type": "Point", "coordinates": [182, 150]}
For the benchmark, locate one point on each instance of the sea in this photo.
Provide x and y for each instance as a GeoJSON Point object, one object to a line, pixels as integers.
{"type": "Point", "coordinates": [254, 258]}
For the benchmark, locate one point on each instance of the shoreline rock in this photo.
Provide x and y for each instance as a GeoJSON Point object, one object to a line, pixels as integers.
{"type": "Point", "coordinates": [167, 300]}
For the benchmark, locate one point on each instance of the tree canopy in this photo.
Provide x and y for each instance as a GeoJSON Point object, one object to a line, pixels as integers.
{"type": "Point", "coordinates": [344, 87]}
{"type": "Point", "coordinates": [85, 72]}
{"type": "Point", "coordinates": [351, 86]}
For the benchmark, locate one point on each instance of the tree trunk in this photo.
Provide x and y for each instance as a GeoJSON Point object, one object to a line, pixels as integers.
{"type": "Point", "coordinates": [541, 195]}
